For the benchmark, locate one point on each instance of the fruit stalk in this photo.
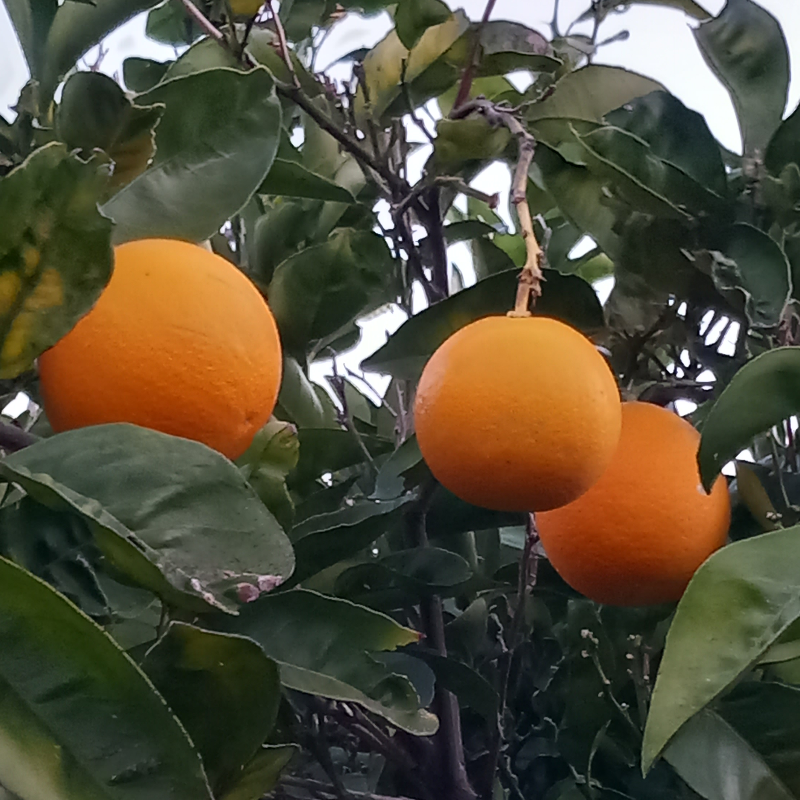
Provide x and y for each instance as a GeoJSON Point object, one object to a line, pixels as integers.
{"type": "Point", "coordinates": [530, 281]}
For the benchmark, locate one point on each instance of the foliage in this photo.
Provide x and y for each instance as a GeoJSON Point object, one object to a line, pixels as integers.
{"type": "Point", "coordinates": [320, 618]}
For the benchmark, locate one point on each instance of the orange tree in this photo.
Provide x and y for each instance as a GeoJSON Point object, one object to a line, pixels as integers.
{"type": "Point", "coordinates": [320, 618]}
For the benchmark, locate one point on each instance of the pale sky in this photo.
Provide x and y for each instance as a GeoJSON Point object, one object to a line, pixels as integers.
{"type": "Point", "coordinates": [660, 46]}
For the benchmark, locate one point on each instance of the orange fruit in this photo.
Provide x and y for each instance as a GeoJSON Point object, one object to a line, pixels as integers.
{"type": "Point", "coordinates": [180, 341]}
{"type": "Point", "coordinates": [640, 533]}
{"type": "Point", "coordinates": [517, 414]}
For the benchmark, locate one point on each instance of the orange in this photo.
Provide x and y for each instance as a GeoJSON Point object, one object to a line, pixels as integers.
{"type": "Point", "coordinates": [640, 533]}
{"type": "Point", "coordinates": [517, 414]}
{"type": "Point", "coordinates": [180, 341]}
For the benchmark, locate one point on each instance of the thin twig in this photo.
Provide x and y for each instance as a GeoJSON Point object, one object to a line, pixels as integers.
{"type": "Point", "coordinates": [466, 79]}
{"type": "Point", "coordinates": [283, 45]}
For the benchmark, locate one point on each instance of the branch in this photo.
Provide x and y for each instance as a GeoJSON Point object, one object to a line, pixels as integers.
{"type": "Point", "coordinates": [13, 438]}
{"type": "Point", "coordinates": [283, 45]}
{"type": "Point", "coordinates": [324, 791]}
{"type": "Point", "coordinates": [469, 73]}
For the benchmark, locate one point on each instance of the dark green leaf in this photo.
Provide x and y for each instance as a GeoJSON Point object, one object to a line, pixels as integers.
{"type": "Point", "coordinates": [215, 144]}
{"type": "Point", "coordinates": [324, 540]}
{"type": "Point", "coordinates": [784, 147]}
{"type": "Point", "coordinates": [714, 759]}
{"type": "Point", "coordinates": [581, 197]}
{"type": "Point", "coordinates": [94, 112]}
{"type": "Point", "coordinates": [318, 291]}
{"type": "Point", "coordinates": [290, 179]}
{"type": "Point", "coordinates": [747, 594]}
{"type": "Point", "coordinates": [489, 258]}
{"type": "Point", "coordinates": [760, 395]}
{"type": "Point", "coordinates": [225, 692]}
{"type": "Point", "coordinates": [689, 7]}
{"type": "Point", "coordinates": [55, 252]}
{"type": "Point", "coordinates": [753, 266]}
{"type": "Point", "coordinates": [491, 88]}
{"type": "Point", "coordinates": [423, 570]}
{"type": "Point", "coordinates": [471, 688]}
{"type": "Point", "coordinates": [32, 20]}
{"type": "Point", "coordinates": [323, 645]}
{"type": "Point", "coordinates": [261, 774]}
{"type": "Point", "coordinates": [266, 463]}
{"type": "Point", "coordinates": [56, 547]}
{"type": "Point", "coordinates": [142, 74]}
{"type": "Point", "coordinates": [304, 403]}
{"type": "Point", "coordinates": [170, 24]}
{"type": "Point", "coordinates": [69, 690]}
{"type": "Point", "coordinates": [649, 184]}
{"type": "Point", "coordinates": [592, 92]}
{"type": "Point", "coordinates": [564, 297]}
{"type": "Point", "coordinates": [158, 502]}
{"type": "Point", "coordinates": [746, 49]}
{"type": "Point", "coordinates": [413, 17]}
{"type": "Point", "coordinates": [330, 450]}
{"type": "Point", "coordinates": [202, 55]}
{"type": "Point", "coordinates": [77, 27]}
{"type": "Point", "coordinates": [675, 134]}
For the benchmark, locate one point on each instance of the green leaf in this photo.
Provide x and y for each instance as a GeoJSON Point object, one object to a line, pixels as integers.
{"type": "Point", "coordinates": [56, 547]}
{"type": "Point", "coordinates": [214, 146]}
{"type": "Point", "coordinates": [784, 147]}
{"type": "Point", "coordinates": [291, 179]}
{"type": "Point", "coordinates": [181, 506]}
{"type": "Point", "coordinates": [509, 46]}
{"type": "Point", "coordinates": [581, 197]}
{"type": "Point", "coordinates": [140, 74]}
{"type": "Point", "coordinates": [413, 17]}
{"type": "Point", "coordinates": [225, 692]}
{"type": "Point", "coordinates": [79, 720]}
{"type": "Point", "coordinates": [752, 266]}
{"type": "Point", "coordinates": [383, 65]}
{"type": "Point", "coordinates": [746, 49]}
{"type": "Point", "coordinates": [202, 55]}
{"type": "Point", "coordinates": [647, 183]}
{"type": "Point", "coordinates": [77, 27]}
{"type": "Point", "coordinates": [748, 593]}
{"type": "Point", "coordinates": [330, 450]}
{"type": "Point", "coordinates": [491, 88]}
{"type": "Point", "coordinates": [592, 92]}
{"type": "Point", "coordinates": [419, 572]}
{"type": "Point", "coordinates": [406, 352]}
{"type": "Point", "coordinates": [675, 134]}
{"type": "Point", "coordinates": [461, 141]}
{"type": "Point", "coordinates": [55, 252]}
{"type": "Point", "coordinates": [262, 773]}
{"type": "Point", "coordinates": [304, 403]}
{"type": "Point", "coordinates": [94, 112]}
{"type": "Point", "coordinates": [32, 20]}
{"type": "Point", "coordinates": [323, 646]}
{"type": "Point", "coordinates": [324, 540]}
{"type": "Point", "coordinates": [266, 463]}
{"type": "Point", "coordinates": [718, 763]}
{"type": "Point", "coordinates": [170, 24]}
{"type": "Point", "coordinates": [761, 394]}
{"type": "Point", "coordinates": [469, 686]}
{"type": "Point", "coordinates": [323, 288]}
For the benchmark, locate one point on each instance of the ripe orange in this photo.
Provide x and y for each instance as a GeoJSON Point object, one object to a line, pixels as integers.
{"type": "Point", "coordinates": [640, 533]}
{"type": "Point", "coordinates": [517, 414]}
{"type": "Point", "coordinates": [180, 341]}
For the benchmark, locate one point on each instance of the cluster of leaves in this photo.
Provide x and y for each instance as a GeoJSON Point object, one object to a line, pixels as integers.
{"type": "Point", "coordinates": [177, 625]}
